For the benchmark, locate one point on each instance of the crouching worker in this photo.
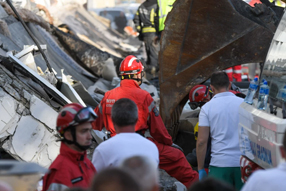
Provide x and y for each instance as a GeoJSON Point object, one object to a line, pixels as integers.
{"type": "Point", "coordinates": [72, 168]}
{"type": "Point", "coordinates": [172, 160]}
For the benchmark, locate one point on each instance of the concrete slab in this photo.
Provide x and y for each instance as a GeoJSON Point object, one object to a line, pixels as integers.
{"type": "Point", "coordinates": [44, 113]}
{"type": "Point", "coordinates": [8, 115]}
{"type": "Point", "coordinates": [28, 137]}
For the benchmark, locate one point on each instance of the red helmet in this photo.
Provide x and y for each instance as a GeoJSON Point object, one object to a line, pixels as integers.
{"type": "Point", "coordinates": [74, 114]}
{"type": "Point", "coordinates": [199, 93]}
{"type": "Point", "coordinates": [130, 65]}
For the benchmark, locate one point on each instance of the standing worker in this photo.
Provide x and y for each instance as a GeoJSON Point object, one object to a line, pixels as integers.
{"type": "Point", "coordinates": [172, 160]}
{"type": "Point", "coordinates": [72, 168]}
{"type": "Point", "coordinates": [146, 20]}
{"type": "Point", "coordinates": [165, 6]}
{"type": "Point", "coordinates": [219, 119]}
{"type": "Point", "coordinates": [121, 22]}
{"type": "Point", "coordinates": [234, 73]}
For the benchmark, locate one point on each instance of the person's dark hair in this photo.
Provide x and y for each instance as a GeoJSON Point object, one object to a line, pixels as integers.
{"type": "Point", "coordinates": [220, 80]}
{"type": "Point", "coordinates": [211, 184]}
{"type": "Point", "coordinates": [114, 179]}
{"type": "Point", "coordinates": [124, 112]}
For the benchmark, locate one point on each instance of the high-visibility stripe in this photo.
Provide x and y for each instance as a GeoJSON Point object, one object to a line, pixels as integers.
{"type": "Point", "coordinates": [152, 15]}
{"type": "Point", "coordinates": [148, 29]}
{"type": "Point", "coordinates": [57, 186]}
{"type": "Point", "coordinates": [162, 16]}
{"type": "Point", "coordinates": [278, 3]}
{"type": "Point", "coordinates": [237, 71]}
{"type": "Point", "coordinates": [228, 70]}
{"type": "Point", "coordinates": [160, 9]}
{"type": "Point", "coordinates": [100, 108]}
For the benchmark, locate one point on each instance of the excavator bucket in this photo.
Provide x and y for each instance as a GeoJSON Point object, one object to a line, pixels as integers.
{"type": "Point", "coordinates": [203, 36]}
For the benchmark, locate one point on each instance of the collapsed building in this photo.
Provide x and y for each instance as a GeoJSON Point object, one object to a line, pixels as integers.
{"type": "Point", "coordinates": [45, 64]}
{"type": "Point", "coordinates": [37, 81]}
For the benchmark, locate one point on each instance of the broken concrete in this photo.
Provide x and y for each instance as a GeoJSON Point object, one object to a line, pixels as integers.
{"type": "Point", "coordinates": [27, 131]}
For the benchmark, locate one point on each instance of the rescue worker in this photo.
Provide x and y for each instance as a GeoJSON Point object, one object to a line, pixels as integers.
{"type": "Point", "coordinates": [198, 96]}
{"type": "Point", "coordinates": [165, 6]}
{"type": "Point", "coordinates": [145, 20]}
{"type": "Point", "coordinates": [121, 22]}
{"type": "Point", "coordinates": [72, 168]}
{"type": "Point", "coordinates": [172, 160]}
{"type": "Point", "coordinates": [234, 73]}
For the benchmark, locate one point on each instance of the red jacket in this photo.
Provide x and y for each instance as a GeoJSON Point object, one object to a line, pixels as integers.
{"type": "Point", "coordinates": [147, 112]}
{"type": "Point", "coordinates": [71, 169]}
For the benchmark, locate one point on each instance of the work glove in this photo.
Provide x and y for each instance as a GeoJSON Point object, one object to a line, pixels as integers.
{"type": "Point", "coordinates": [202, 174]}
{"type": "Point", "coordinates": [177, 147]}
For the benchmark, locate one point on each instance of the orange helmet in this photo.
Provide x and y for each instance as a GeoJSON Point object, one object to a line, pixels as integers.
{"type": "Point", "coordinates": [130, 65]}
{"type": "Point", "coordinates": [74, 114]}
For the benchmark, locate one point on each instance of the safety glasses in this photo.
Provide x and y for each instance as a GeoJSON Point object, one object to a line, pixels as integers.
{"type": "Point", "coordinates": [195, 105]}
{"type": "Point", "coordinates": [84, 115]}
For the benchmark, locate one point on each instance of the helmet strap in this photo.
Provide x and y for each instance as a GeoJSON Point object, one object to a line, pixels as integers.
{"type": "Point", "coordinates": [138, 80]}
{"type": "Point", "coordinates": [131, 77]}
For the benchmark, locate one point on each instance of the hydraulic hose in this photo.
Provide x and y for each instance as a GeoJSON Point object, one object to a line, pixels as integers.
{"type": "Point", "coordinates": [31, 35]}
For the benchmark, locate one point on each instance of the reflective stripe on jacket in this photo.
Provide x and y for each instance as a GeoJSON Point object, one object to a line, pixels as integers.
{"type": "Point", "coordinates": [146, 18]}
{"type": "Point", "coordinates": [278, 3]}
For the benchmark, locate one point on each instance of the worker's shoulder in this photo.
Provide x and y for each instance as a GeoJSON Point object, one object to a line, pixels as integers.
{"type": "Point", "coordinates": [110, 93]}
{"type": "Point", "coordinates": [146, 93]}
{"type": "Point", "coordinates": [142, 93]}
{"type": "Point", "coordinates": [236, 99]}
{"type": "Point", "coordinates": [61, 163]}
{"type": "Point", "coordinates": [149, 3]}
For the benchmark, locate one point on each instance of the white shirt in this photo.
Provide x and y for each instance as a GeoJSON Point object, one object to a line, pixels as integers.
{"type": "Point", "coordinates": [221, 115]}
{"type": "Point", "coordinates": [267, 180]}
{"type": "Point", "coordinates": [124, 145]}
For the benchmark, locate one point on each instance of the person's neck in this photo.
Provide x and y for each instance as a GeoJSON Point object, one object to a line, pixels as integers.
{"type": "Point", "coordinates": [221, 91]}
{"type": "Point", "coordinates": [126, 129]}
{"type": "Point", "coordinates": [74, 147]}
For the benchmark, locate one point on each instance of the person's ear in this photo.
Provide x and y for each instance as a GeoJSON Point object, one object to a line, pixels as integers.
{"type": "Point", "coordinates": [68, 135]}
{"type": "Point", "coordinates": [282, 151]}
